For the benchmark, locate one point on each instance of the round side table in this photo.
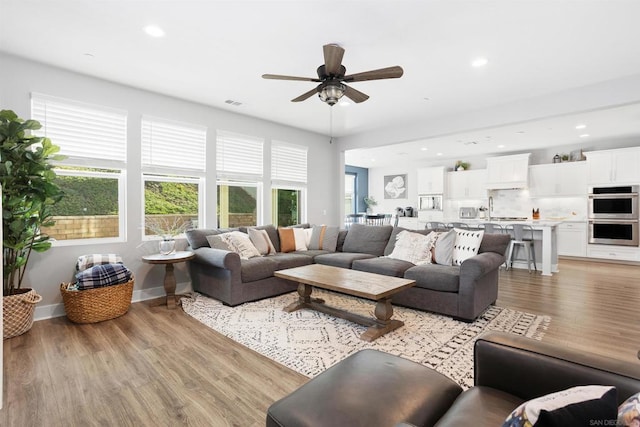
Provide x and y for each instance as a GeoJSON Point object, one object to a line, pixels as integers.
{"type": "Point", "coordinates": [169, 277]}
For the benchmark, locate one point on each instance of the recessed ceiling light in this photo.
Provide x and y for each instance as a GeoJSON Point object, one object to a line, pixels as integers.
{"type": "Point", "coordinates": [438, 154]}
{"type": "Point", "coordinates": [424, 149]}
{"type": "Point", "coordinates": [584, 135]}
{"type": "Point", "coordinates": [154, 31]}
{"type": "Point", "coordinates": [581, 126]}
{"type": "Point", "coordinates": [479, 62]}
{"type": "Point", "coordinates": [501, 146]}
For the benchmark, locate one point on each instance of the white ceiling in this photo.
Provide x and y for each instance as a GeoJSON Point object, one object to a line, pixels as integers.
{"type": "Point", "coordinates": [216, 51]}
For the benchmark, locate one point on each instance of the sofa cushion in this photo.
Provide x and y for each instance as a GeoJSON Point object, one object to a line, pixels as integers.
{"type": "Point", "coordinates": [485, 406]}
{"type": "Point", "coordinates": [444, 278]}
{"type": "Point", "coordinates": [367, 239]}
{"type": "Point", "coordinates": [257, 268]}
{"type": "Point", "coordinates": [271, 231]}
{"type": "Point", "coordinates": [382, 265]}
{"type": "Point", "coordinates": [216, 241]}
{"type": "Point", "coordinates": [197, 237]}
{"type": "Point", "coordinates": [393, 237]}
{"type": "Point", "coordinates": [312, 252]}
{"type": "Point", "coordinates": [340, 259]}
{"type": "Point", "coordinates": [291, 260]}
{"type": "Point", "coordinates": [341, 236]}
{"type": "Point", "coordinates": [497, 243]}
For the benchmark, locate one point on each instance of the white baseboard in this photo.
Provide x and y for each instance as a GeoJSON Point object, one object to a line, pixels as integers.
{"type": "Point", "coordinates": [57, 310]}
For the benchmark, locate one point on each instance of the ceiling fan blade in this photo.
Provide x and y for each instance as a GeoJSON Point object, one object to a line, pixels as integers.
{"type": "Point", "coordinates": [383, 73]}
{"type": "Point", "coordinates": [279, 77]}
{"type": "Point", "coordinates": [305, 95]}
{"type": "Point", "coordinates": [332, 59]}
{"type": "Point", "coordinates": [355, 95]}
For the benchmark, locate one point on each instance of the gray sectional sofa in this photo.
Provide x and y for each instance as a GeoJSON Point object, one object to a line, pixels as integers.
{"type": "Point", "coordinates": [462, 292]}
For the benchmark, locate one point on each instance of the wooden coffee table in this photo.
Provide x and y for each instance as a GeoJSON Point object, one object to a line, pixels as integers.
{"type": "Point", "coordinates": [357, 283]}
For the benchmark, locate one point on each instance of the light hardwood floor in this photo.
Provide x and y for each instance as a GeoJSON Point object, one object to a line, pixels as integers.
{"type": "Point", "coordinates": [155, 367]}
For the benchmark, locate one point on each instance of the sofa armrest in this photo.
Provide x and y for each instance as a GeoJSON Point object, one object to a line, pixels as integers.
{"type": "Point", "coordinates": [217, 258]}
{"type": "Point", "coordinates": [481, 264]}
{"type": "Point", "coordinates": [528, 368]}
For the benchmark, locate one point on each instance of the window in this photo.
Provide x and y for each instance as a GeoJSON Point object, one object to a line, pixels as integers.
{"type": "Point", "coordinates": [239, 161]}
{"type": "Point", "coordinates": [92, 175]}
{"type": "Point", "coordinates": [173, 166]}
{"type": "Point", "coordinates": [288, 183]}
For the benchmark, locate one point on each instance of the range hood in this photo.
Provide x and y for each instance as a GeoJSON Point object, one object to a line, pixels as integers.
{"type": "Point", "coordinates": [507, 172]}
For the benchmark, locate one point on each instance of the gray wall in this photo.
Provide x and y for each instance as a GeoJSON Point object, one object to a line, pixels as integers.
{"type": "Point", "coordinates": [19, 77]}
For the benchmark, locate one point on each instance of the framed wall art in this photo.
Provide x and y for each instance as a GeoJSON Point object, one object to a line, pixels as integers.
{"type": "Point", "coordinates": [395, 186]}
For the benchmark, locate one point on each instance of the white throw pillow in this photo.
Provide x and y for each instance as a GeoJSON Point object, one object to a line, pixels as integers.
{"type": "Point", "coordinates": [240, 243]}
{"type": "Point", "coordinates": [466, 245]}
{"type": "Point", "coordinates": [300, 236]}
{"type": "Point", "coordinates": [413, 247]}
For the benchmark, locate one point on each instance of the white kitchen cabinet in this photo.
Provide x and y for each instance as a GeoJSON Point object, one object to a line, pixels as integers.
{"type": "Point", "coordinates": [618, 166]}
{"type": "Point", "coordinates": [559, 179]}
{"type": "Point", "coordinates": [431, 180]}
{"type": "Point", "coordinates": [620, 253]}
{"type": "Point", "coordinates": [572, 239]}
{"type": "Point", "coordinates": [508, 171]}
{"type": "Point", "coordinates": [467, 184]}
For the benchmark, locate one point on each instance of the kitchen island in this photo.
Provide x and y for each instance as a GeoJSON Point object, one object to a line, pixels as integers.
{"type": "Point", "coordinates": [545, 242]}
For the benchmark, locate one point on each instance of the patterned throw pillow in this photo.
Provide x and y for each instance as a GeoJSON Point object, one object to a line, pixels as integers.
{"type": "Point", "coordinates": [629, 412]}
{"type": "Point", "coordinates": [261, 240]}
{"type": "Point", "coordinates": [103, 275]}
{"type": "Point", "coordinates": [413, 247]}
{"type": "Point", "coordinates": [324, 237]}
{"type": "Point", "coordinates": [240, 243]}
{"type": "Point", "coordinates": [467, 245]}
{"type": "Point", "coordinates": [215, 241]}
{"type": "Point", "coordinates": [577, 406]}
{"type": "Point", "coordinates": [88, 261]}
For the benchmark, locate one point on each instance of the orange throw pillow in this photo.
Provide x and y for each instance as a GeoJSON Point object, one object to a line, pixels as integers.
{"type": "Point", "coordinates": [287, 240]}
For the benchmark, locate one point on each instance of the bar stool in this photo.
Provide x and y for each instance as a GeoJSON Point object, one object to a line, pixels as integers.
{"type": "Point", "coordinates": [492, 228]}
{"type": "Point", "coordinates": [434, 225]}
{"type": "Point", "coordinates": [523, 236]}
{"type": "Point", "coordinates": [461, 225]}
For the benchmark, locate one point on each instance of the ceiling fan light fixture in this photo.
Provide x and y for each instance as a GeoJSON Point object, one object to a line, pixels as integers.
{"type": "Point", "coordinates": [331, 93]}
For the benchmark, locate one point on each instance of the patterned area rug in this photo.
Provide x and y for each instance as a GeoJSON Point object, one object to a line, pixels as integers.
{"type": "Point", "coordinates": [309, 341]}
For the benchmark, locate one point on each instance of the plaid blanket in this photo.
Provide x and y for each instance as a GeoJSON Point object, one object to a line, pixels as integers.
{"type": "Point", "coordinates": [88, 261]}
{"type": "Point", "coordinates": [103, 275]}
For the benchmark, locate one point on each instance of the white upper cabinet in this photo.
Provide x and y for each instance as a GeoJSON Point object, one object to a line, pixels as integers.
{"type": "Point", "coordinates": [614, 166]}
{"type": "Point", "coordinates": [560, 179]}
{"type": "Point", "coordinates": [431, 180]}
{"type": "Point", "coordinates": [508, 171]}
{"type": "Point", "coordinates": [467, 184]}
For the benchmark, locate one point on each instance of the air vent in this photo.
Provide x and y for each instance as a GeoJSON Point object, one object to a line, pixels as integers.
{"type": "Point", "coordinates": [232, 102]}
{"type": "Point", "coordinates": [471, 143]}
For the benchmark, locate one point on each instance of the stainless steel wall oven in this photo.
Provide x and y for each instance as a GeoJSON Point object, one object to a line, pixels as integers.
{"type": "Point", "coordinates": [613, 215]}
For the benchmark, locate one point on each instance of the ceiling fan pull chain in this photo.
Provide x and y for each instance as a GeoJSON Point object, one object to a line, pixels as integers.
{"type": "Point", "coordinates": [330, 125]}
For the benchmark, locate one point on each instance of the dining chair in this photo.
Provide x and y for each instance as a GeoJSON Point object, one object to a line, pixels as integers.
{"type": "Point", "coordinates": [434, 225]}
{"type": "Point", "coordinates": [353, 219]}
{"type": "Point", "coordinates": [492, 228]}
{"type": "Point", "coordinates": [462, 225]}
{"type": "Point", "coordinates": [377, 219]}
{"type": "Point", "coordinates": [521, 235]}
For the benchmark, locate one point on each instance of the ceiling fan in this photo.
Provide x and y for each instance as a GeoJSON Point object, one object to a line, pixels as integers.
{"type": "Point", "coordinates": [332, 78]}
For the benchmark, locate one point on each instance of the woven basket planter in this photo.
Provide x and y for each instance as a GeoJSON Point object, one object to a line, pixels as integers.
{"type": "Point", "coordinates": [17, 313]}
{"type": "Point", "coordinates": [96, 305]}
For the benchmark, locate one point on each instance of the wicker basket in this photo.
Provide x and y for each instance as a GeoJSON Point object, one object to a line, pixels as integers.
{"type": "Point", "coordinates": [17, 313]}
{"type": "Point", "coordinates": [97, 305]}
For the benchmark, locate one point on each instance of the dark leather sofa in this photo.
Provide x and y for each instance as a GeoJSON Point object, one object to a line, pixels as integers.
{"type": "Point", "coordinates": [372, 388]}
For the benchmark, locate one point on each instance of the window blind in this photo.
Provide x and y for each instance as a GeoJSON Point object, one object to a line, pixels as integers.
{"type": "Point", "coordinates": [81, 130]}
{"type": "Point", "coordinates": [239, 156]}
{"type": "Point", "coordinates": [288, 163]}
{"type": "Point", "coordinates": [167, 144]}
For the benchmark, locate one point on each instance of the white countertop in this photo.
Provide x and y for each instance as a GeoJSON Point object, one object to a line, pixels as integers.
{"type": "Point", "coordinates": [533, 223]}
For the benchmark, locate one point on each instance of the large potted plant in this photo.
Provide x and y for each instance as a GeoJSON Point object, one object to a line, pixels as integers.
{"type": "Point", "coordinates": [28, 194]}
